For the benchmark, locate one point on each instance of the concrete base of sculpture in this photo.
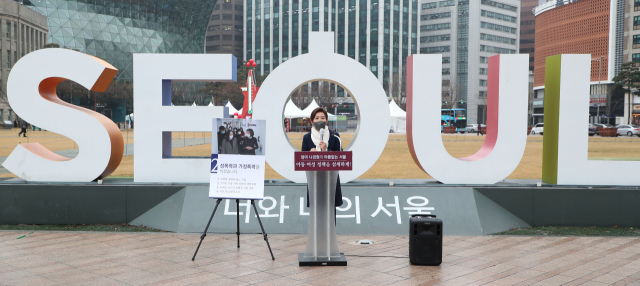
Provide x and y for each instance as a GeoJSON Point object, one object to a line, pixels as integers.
{"type": "Point", "coordinates": [371, 207]}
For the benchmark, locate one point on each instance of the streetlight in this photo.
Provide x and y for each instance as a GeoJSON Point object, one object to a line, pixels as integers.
{"type": "Point", "coordinates": [599, 86]}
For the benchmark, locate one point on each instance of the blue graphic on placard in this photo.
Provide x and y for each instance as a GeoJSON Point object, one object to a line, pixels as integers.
{"type": "Point", "coordinates": [214, 163]}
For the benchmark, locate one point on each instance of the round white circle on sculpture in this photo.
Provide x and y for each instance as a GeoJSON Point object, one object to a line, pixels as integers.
{"type": "Point", "coordinates": [322, 64]}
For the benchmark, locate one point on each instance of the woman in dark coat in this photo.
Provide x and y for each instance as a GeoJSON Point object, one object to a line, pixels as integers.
{"type": "Point", "coordinates": [329, 142]}
{"type": "Point", "coordinates": [250, 143]}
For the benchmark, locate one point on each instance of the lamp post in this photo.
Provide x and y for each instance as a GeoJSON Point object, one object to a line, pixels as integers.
{"type": "Point", "coordinates": [599, 87]}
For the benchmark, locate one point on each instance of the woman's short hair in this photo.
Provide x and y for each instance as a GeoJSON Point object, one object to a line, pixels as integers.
{"type": "Point", "coordinates": [250, 131]}
{"type": "Point", "coordinates": [319, 109]}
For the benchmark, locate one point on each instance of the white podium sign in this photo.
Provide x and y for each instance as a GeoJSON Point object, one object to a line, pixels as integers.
{"type": "Point", "coordinates": [237, 159]}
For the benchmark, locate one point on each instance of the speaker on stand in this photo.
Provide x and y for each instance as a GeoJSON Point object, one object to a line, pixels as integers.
{"type": "Point", "coordinates": [425, 240]}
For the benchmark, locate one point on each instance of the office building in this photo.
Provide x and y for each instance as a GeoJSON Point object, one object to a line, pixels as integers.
{"type": "Point", "coordinates": [380, 34]}
{"type": "Point", "coordinates": [467, 33]}
{"type": "Point", "coordinates": [22, 31]}
{"type": "Point", "coordinates": [594, 27]}
{"type": "Point", "coordinates": [528, 29]}
{"type": "Point", "coordinates": [115, 29]}
{"type": "Point", "coordinates": [224, 33]}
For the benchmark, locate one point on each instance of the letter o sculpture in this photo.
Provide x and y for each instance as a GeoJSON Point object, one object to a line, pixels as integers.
{"type": "Point", "coordinates": [322, 64]}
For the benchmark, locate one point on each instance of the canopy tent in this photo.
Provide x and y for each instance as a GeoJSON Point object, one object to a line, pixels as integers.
{"type": "Point", "coordinates": [232, 109]}
{"type": "Point", "coordinates": [398, 118]}
{"type": "Point", "coordinates": [292, 111]}
{"type": "Point", "coordinates": [313, 105]}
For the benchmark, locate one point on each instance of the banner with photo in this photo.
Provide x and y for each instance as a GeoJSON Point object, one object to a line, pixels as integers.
{"type": "Point", "coordinates": [237, 159]}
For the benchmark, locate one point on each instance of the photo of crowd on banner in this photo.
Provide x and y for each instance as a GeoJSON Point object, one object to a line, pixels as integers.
{"type": "Point", "coordinates": [240, 137]}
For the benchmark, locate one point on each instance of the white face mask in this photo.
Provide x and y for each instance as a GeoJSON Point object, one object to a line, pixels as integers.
{"type": "Point", "coordinates": [231, 137]}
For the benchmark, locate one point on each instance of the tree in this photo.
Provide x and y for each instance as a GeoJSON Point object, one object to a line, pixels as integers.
{"type": "Point", "coordinates": [629, 79]}
{"type": "Point", "coordinates": [222, 91]}
{"type": "Point", "coordinates": [450, 94]}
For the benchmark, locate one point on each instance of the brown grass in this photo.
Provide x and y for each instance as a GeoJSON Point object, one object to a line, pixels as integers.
{"type": "Point", "coordinates": [395, 161]}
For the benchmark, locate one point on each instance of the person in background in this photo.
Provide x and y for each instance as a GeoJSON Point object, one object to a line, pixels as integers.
{"type": "Point", "coordinates": [250, 143]}
{"type": "Point", "coordinates": [479, 130]}
{"type": "Point", "coordinates": [329, 142]}
{"type": "Point", "coordinates": [23, 128]}
{"type": "Point", "coordinates": [229, 144]}
{"type": "Point", "coordinates": [240, 141]}
{"type": "Point", "coordinates": [221, 134]}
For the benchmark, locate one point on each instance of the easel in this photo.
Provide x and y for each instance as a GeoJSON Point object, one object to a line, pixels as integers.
{"type": "Point", "coordinates": [238, 226]}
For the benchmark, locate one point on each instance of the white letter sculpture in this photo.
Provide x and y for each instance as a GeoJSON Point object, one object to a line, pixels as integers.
{"type": "Point", "coordinates": [565, 159]}
{"type": "Point", "coordinates": [322, 64]}
{"type": "Point", "coordinates": [31, 91]}
{"type": "Point", "coordinates": [506, 121]}
{"type": "Point", "coordinates": [156, 118]}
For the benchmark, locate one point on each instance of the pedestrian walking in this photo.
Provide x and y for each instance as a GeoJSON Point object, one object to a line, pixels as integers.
{"type": "Point", "coordinates": [479, 130]}
{"type": "Point", "coordinates": [23, 128]}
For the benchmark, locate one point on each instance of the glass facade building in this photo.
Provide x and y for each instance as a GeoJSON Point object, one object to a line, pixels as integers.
{"type": "Point", "coordinates": [380, 34]}
{"type": "Point", "coordinates": [467, 33]}
{"type": "Point", "coordinates": [115, 29]}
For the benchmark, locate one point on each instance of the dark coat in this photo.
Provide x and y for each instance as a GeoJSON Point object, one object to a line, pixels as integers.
{"type": "Point", "coordinates": [250, 142]}
{"type": "Point", "coordinates": [334, 145]}
{"type": "Point", "coordinates": [220, 138]}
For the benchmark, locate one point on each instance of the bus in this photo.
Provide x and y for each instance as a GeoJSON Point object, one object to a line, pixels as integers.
{"type": "Point", "coordinates": [455, 117]}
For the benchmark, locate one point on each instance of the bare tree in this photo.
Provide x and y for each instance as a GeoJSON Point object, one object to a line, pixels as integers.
{"type": "Point", "coordinates": [450, 94]}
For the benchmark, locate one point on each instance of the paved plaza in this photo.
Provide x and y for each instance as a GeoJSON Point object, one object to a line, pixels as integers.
{"type": "Point", "coordinates": [107, 258]}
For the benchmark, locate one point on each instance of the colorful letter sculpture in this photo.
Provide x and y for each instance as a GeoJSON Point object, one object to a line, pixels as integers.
{"type": "Point", "coordinates": [156, 118]}
{"type": "Point", "coordinates": [503, 148]}
{"type": "Point", "coordinates": [31, 91]}
{"type": "Point", "coordinates": [565, 158]}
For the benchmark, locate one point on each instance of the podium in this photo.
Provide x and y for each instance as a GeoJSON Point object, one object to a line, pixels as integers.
{"type": "Point", "coordinates": [322, 175]}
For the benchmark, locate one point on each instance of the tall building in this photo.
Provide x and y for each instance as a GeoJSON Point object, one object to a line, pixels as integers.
{"type": "Point", "coordinates": [467, 33]}
{"type": "Point", "coordinates": [528, 29]}
{"type": "Point", "coordinates": [631, 50]}
{"type": "Point", "coordinates": [115, 29]}
{"type": "Point", "coordinates": [593, 27]}
{"type": "Point", "coordinates": [22, 31]}
{"type": "Point", "coordinates": [380, 34]}
{"type": "Point", "coordinates": [224, 34]}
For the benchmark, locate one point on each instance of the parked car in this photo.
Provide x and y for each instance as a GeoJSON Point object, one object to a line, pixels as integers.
{"type": "Point", "coordinates": [592, 130]}
{"type": "Point", "coordinates": [628, 130]}
{"type": "Point", "coordinates": [596, 127]}
{"type": "Point", "coordinates": [537, 129]}
{"type": "Point", "coordinates": [472, 128]}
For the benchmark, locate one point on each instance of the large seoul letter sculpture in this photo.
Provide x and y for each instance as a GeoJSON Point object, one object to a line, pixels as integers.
{"type": "Point", "coordinates": [156, 118]}
{"type": "Point", "coordinates": [322, 64]}
{"type": "Point", "coordinates": [565, 144]}
{"type": "Point", "coordinates": [31, 91]}
{"type": "Point", "coordinates": [506, 121]}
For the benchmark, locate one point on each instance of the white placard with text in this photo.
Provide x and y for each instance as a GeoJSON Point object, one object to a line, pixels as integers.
{"type": "Point", "coordinates": [237, 159]}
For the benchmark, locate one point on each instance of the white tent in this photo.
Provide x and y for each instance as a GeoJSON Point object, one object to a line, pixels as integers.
{"type": "Point", "coordinates": [292, 111]}
{"type": "Point", "coordinates": [194, 104]}
{"type": "Point", "coordinates": [232, 109]}
{"type": "Point", "coordinates": [313, 105]}
{"type": "Point", "coordinates": [210, 104]}
{"type": "Point", "coordinates": [398, 118]}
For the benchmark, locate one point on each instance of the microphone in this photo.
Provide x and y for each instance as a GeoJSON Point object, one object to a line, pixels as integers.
{"type": "Point", "coordinates": [321, 137]}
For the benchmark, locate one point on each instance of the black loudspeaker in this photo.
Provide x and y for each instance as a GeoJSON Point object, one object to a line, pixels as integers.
{"type": "Point", "coordinates": [425, 240]}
